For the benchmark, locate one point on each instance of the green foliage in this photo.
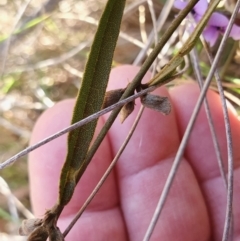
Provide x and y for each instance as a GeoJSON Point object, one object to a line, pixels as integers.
{"type": "Point", "coordinates": [91, 95]}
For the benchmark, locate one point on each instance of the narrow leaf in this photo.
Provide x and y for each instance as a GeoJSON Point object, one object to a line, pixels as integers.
{"type": "Point", "coordinates": [91, 95]}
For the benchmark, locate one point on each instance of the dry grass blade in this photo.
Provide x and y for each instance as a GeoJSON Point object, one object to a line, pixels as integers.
{"type": "Point", "coordinates": [142, 23]}
{"type": "Point", "coordinates": [160, 22]}
{"type": "Point", "coordinates": [198, 75]}
{"type": "Point", "coordinates": [155, 32]}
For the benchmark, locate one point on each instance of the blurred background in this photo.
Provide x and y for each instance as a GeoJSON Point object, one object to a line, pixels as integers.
{"type": "Point", "coordinates": [44, 47]}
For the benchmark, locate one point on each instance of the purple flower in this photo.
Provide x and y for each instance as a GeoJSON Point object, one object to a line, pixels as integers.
{"type": "Point", "coordinates": [216, 25]}
{"type": "Point", "coordinates": [198, 10]}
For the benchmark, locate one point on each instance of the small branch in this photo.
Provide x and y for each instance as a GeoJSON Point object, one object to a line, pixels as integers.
{"type": "Point", "coordinates": [160, 22]}
{"type": "Point", "coordinates": [74, 126]}
{"type": "Point", "coordinates": [198, 75]}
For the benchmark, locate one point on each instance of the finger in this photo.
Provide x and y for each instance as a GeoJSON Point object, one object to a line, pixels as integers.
{"type": "Point", "coordinates": [44, 170]}
{"type": "Point", "coordinates": [142, 170]}
{"type": "Point", "coordinates": [200, 153]}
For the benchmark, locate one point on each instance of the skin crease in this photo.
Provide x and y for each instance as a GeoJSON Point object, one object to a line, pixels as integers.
{"type": "Point", "coordinates": [195, 208]}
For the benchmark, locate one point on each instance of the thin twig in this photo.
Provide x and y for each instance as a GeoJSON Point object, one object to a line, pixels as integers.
{"type": "Point", "coordinates": [154, 21]}
{"type": "Point", "coordinates": [196, 67]}
{"type": "Point", "coordinates": [142, 23]}
{"type": "Point", "coordinates": [155, 31]}
{"type": "Point", "coordinates": [160, 22]}
{"type": "Point", "coordinates": [74, 126]}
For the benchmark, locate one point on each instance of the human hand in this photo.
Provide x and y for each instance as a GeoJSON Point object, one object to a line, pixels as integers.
{"type": "Point", "coordinates": [122, 210]}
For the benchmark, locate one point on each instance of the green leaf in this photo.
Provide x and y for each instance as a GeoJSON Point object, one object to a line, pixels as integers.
{"type": "Point", "coordinates": [91, 95]}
